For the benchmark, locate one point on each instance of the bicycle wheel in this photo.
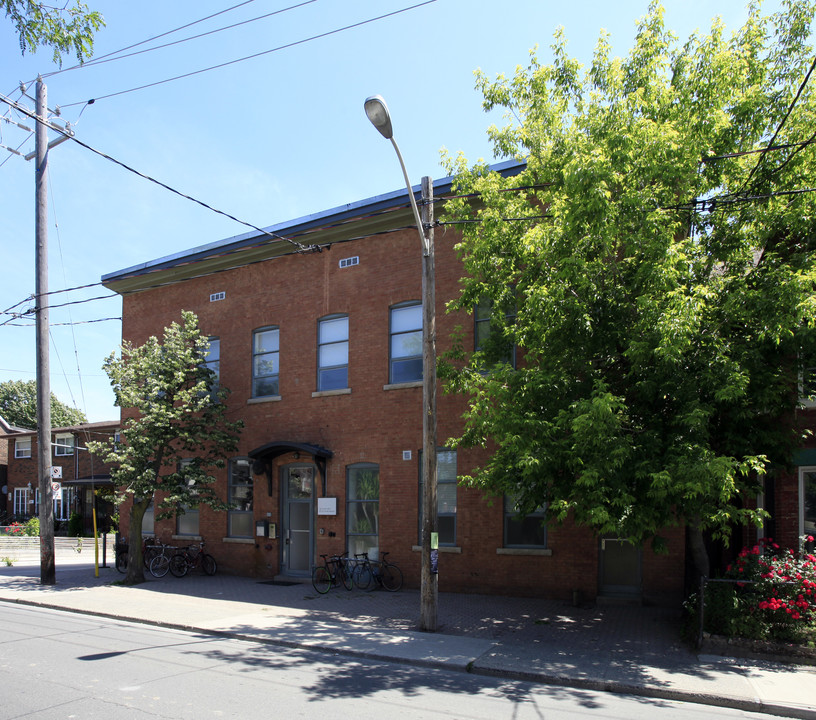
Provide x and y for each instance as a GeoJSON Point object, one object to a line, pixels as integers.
{"type": "Point", "coordinates": [321, 580]}
{"type": "Point", "coordinates": [345, 576]}
{"type": "Point", "coordinates": [362, 577]}
{"type": "Point", "coordinates": [148, 555]}
{"type": "Point", "coordinates": [178, 565]}
{"type": "Point", "coordinates": [391, 578]}
{"type": "Point", "coordinates": [159, 566]}
{"type": "Point", "coordinates": [121, 561]}
{"type": "Point", "coordinates": [208, 564]}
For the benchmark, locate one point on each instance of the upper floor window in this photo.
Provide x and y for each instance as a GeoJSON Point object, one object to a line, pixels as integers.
{"type": "Point", "coordinates": [523, 530]}
{"type": "Point", "coordinates": [332, 353]}
{"type": "Point", "coordinates": [406, 343]}
{"type": "Point", "coordinates": [64, 444]}
{"type": "Point", "coordinates": [22, 448]}
{"type": "Point", "coordinates": [265, 362]}
{"type": "Point", "coordinates": [212, 359]}
{"type": "Point", "coordinates": [486, 340]}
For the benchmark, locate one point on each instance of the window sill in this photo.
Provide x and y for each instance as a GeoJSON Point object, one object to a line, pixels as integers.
{"type": "Point", "coordinates": [265, 399]}
{"type": "Point", "coordinates": [524, 551]}
{"type": "Point", "coordinates": [442, 548]}
{"type": "Point", "coordinates": [238, 540]}
{"type": "Point", "coordinates": [400, 386]}
{"type": "Point", "coordinates": [329, 393]}
{"type": "Point", "coordinates": [193, 538]}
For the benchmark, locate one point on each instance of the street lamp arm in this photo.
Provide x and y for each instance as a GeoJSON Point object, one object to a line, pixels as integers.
{"type": "Point", "coordinates": [420, 227]}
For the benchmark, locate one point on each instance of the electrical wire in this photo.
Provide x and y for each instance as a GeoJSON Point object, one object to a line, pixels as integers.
{"type": "Point", "coordinates": [274, 236]}
{"type": "Point", "coordinates": [251, 57]}
{"type": "Point", "coordinates": [97, 60]}
{"type": "Point", "coordinates": [107, 59]}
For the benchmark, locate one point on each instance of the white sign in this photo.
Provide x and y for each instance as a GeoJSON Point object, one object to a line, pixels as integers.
{"type": "Point", "coordinates": [56, 472]}
{"type": "Point", "coordinates": [55, 487]}
{"type": "Point", "coordinates": [327, 506]}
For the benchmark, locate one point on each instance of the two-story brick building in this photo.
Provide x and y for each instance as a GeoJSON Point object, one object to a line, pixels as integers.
{"type": "Point", "coordinates": [322, 354]}
{"type": "Point", "coordinates": [82, 474]}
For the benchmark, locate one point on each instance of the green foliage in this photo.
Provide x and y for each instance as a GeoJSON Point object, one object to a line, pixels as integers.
{"type": "Point", "coordinates": [66, 29]}
{"type": "Point", "coordinates": [76, 527]}
{"type": "Point", "coordinates": [773, 596]}
{"type": "Point", "coordinates": [174, 430]}
{"type": "Point", "coordinates": [660, 339]}
{"type": "Point", "coordinates": [18, 406]}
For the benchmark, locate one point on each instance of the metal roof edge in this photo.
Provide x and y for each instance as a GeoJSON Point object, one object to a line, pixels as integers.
{"type": "Point", "coordinates": [339, 214]}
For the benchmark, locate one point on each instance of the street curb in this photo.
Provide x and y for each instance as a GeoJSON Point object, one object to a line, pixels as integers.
{"type": "Point", "coordinates": [470, 668]}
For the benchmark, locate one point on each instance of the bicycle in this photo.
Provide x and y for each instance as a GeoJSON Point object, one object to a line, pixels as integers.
{"type": "Point", "coordinates": [334, 570]}
{"type": "Point", "coordinates": [385, 573]}
{"type": "Point", "coordinates": [160, 564]}
{"type": "Point", "coordinates": [191, 557]}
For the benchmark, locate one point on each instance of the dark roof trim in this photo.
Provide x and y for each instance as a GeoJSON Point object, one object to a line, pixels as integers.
{"type": "Point", "coordinates": [280, 447]}
{"type": "Point", "coordinates": [329, 223]}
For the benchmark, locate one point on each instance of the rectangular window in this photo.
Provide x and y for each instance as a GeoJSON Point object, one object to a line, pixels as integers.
{"type": "Point", "coordinates": [21, 498]}
{"type": "Point", "coordinates": [187, 523]}
{"type": "Point", "coordinates": [149, 520]}
{"type": "Point", "coordinates": [332, 353]}
{"type": "Point", "coordinates": [445, 495]}
{"type": "Point", "coordinates": [265, 362]}
{"type": "Point", "coordinates": [64, 500]}
{"type": "Point", "coordinates": [406, 343]}
{"type": "Point", "coordinates": [363, 512]}
{"type": "Point", "coordinates": [22, 448]}
{"type": "Point", "coordinates": [240, 498]}
{"type": "Point", "coordinates": [523, 530]}
{"type": "Point", "coordinates": [487, 340]}
{"type": "Point", "coordinates": [212, 359]}
{"type": "Point", "coordinates": [64, 444]}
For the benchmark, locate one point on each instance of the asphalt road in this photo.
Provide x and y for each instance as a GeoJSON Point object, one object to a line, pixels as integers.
{"type": "Point", "coordinates": [60, 665]}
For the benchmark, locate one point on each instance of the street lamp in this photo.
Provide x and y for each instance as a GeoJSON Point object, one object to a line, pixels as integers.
{"type": "Point", "coordinates": [377, 112]}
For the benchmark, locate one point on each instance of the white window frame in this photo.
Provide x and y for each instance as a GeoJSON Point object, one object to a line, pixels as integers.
{"type": "Point", "coordinates": [247, 514]}
{"type": "Point", "coordinates": [396, 331]}
{"type": "Point", "coordinates": [61, 443]}
{"type": "Point", "coordinates": [22, 447]}
{"type": "Point", "coordinates": [272, 356]}
{"type": "Point", "coordinates": [331, 342]}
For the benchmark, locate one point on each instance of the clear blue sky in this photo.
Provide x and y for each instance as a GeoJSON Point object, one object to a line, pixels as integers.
{"type": "Point", "coordinates": [267, 140]}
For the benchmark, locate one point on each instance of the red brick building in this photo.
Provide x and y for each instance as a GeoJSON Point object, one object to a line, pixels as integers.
{"type": "Point", "coordinates": [82, 474]}
{"type": "Point", "coordinates": [320, 351]}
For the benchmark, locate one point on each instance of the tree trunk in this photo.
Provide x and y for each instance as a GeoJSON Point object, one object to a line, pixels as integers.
{"type": "Point", "coordinates": [698, 550]}
{"type": "Point", "coordinates": [135, 568]}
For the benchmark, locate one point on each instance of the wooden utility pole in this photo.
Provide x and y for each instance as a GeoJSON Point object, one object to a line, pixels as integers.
{"type": "Point", "coordinates": [47, 567]}
{"type": "Point", "coordinates": [430, 526]}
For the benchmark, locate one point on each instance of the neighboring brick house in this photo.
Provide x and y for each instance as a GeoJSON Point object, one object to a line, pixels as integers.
{"type": "Point", "coordinates": [82, 475]}
{"type": "Point", "coordinates": [6, 431]}
{"type": "Point", "coordinates": [321, 353]}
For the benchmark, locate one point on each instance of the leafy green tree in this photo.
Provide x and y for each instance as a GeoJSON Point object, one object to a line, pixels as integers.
{"type": "Point", "coordinates": [654, 264]}
{"type": "Point", "coordinates": [64, 29]}
{"type": "Point", "coordinates": [18, 406]}
{"type": "Point", "coordinates": [174, 431]}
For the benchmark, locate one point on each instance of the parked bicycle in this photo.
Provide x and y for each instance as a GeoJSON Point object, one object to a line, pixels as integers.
{"type": "Point", "coordinates": [190, 558]}
{"type": "Point", "coordinates": [160, 562]}
{"type": "Point", "coordinates": [385, 573]}
{"type": "Point", "coordinates": [151, 547]}
{"type": "Point", "coordinates": [333, 571]}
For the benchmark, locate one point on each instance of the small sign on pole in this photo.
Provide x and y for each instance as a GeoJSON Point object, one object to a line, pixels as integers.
{"type": "Point", "coordinates": [56, 472]}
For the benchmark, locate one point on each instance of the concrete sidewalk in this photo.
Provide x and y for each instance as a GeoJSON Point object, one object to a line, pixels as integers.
{"type": "Point", "coordinates": [622, 649]}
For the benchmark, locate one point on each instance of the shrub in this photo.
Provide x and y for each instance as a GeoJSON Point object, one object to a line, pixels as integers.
{"type": "Point", "coordinates": [75, 525]}
{"type": "Point", "coordinates": [772, 596]}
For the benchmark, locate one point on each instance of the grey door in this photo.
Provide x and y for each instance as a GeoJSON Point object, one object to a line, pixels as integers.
{"type": "Point", "coordinates": [297, 484]}
{"type": "Point", "coordinates": [620, 567]}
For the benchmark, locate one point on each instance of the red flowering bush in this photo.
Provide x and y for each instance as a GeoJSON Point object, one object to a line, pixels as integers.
{"type": "Point", "coordinates": [773, 596]}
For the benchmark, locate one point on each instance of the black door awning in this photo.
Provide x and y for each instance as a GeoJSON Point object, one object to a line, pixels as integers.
{"type": "Point", "coordinates": [265, 454]}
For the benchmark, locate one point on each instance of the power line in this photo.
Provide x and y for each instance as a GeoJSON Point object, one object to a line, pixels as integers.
{"type": "Point", "coordinates": [274, 236]}
{"type": "Point", "coordinates": [98, 60]}
{"type": "Point", "coordinates": [251, 57]}
{"type": "Point", "coordinates": [107, 59]}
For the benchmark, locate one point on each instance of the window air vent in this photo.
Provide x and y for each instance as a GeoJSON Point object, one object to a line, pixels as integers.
{"type": "Point", "coordinates": [348, 262]}
{"type": "Point", "coordinates": [406, 454]}
{"type": "Point", "coordinates": [215, 297]}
